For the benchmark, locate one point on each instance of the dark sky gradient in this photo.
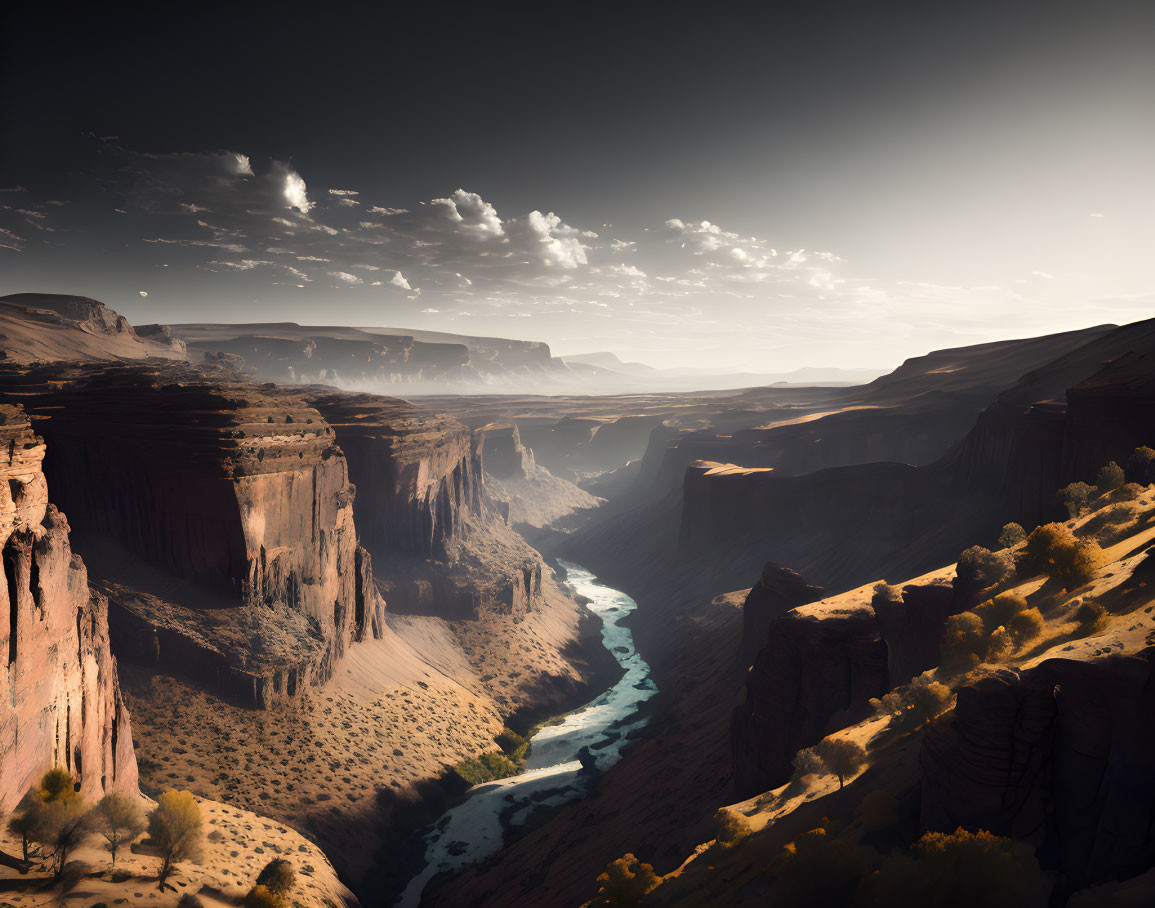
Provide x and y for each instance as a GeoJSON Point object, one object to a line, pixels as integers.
{"type": "Point", "coordinates": [961, 145]}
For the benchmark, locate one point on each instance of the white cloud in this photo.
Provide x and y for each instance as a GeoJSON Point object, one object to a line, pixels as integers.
{"type": "Point", "coordinates": [346, 277]}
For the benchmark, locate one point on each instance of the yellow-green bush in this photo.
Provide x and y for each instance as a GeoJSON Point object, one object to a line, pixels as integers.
{"type": "Point", "coordinates": [624, 883]}
{"type": "Point", "coordinates": [731, 826]}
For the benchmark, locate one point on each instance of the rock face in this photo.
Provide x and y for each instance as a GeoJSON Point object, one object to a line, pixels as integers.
{"type": "Point", "coordinates": [243, 494]}
{"type": "Point", "coordinates": [913, 628]}
{"type": "Point", "coordinates": [61, 702]}
{"type": "Point", "coordinates": [504, 455]}
{"type": "Point", "coordinates": [1058, 755]}
{"type": "Point", "coordinates": [818, 671]}
{"type": "Point", "coordinates": [777, 591]}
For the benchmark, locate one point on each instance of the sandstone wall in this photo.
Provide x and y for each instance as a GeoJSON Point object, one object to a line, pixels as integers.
{"type": "Point", "coordinates": [60, 703]}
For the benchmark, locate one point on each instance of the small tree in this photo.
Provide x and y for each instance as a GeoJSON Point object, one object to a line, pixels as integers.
{"type": "Point", "coordinates": [1076, 497]}
{"type": "Point", "coordinates": [278, 877]}
{"type": "Point", "coordinates": [119, 819]}
{"type": "Point", "coordinates": [1109, 478]}
{"type": "Point", "coordinates": [624, 883]}
{"type": "Point", "coordinates": [1141, 465]}
{"type": "Point", "coordinates": [917, 703]}
{"type": "Point", "coordinates": [841, 757]}
{"type": "Point", "coordinates": [1012, 535]}
{"type": "Point", "coordinates": [54, 816]}
{"type": "Point", "coordinates": [24, 819]}
{"type": "Point", "coordinates": [175, 828]}
{"type": "Point", "coordinates": [261, 897]}
{"type": "Point", "coordinates": [1053, 550]}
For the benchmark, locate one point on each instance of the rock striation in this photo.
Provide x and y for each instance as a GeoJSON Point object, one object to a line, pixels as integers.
{"type": "Point", "coordinates": [61, 703]}
{"type": "Point", "coordinates": [777, 591]}
{"type": "Point", "coordinates": [1058, 755]}
{"type": "Point", "coordinates": [236, 492]}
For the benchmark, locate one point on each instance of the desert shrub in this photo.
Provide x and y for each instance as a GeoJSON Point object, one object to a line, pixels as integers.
{"type": "Point", "coordinates": [486, 768]}
{"type": "Point", "coordinates": [1141, 466]}
{"type": "Point", "coordinates": [817, 870]}
{"type": "Point", "coordinates": [1000, 645]}
{"type": "Point", "coordinates": [1000, 610]}
{"type": "Point", "coordinates": [262, 897]}
{"type": "Point", "coordinates": [1128, 492]}
{"type": "Point", "coordinates": [175, 829]}
{"type": "Point", "coordinates": [512, 744]}
{"type": "Point", "coordinates": [1012, 535]}
{"type": "Point", "coordinates": [1109, 478]}
{"type": "Point", "coordinates": [919, 702]}
{"type": "Point", "coordinates": [278, 877]}
{"type": "Point", "coordinates": [958, 870]}
{"type": "Point", "coordinates": [885, 592]}
{"type": "Point", "coordinates": [624, 883]}
{"type": "Point", "coordinates": [964, 644]}
{"type": "Point", "coordinates": [1076, 497]}
{"type": "Point", "coordinates": [188, 900]}
{"type": "Point", "coordinates": [980, 569]}
{"type": "Point", "coordinates": [119, 819]}
{"type": "Point", "coordinates": [1026, 626]}
{"type": "Point", "coordinates": [1091, 616]}
{"type": "Point", "coordinates": [732, 825]}
{"type": "Point", "coordinates": [53, 815]}
{"type": "Point", "coordinates": [24, 819]}
{"type": "Point", "coordinates": [841, 757]}
{"type": "Point", "coordinates": [1053, 550]}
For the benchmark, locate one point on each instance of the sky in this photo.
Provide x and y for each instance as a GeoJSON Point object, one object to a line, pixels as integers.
{"type": "Point", "coordinates": [726, 186]}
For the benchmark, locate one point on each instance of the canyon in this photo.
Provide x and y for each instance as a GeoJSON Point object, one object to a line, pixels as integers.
{"type": "Point", "coordinates": [319, 603]}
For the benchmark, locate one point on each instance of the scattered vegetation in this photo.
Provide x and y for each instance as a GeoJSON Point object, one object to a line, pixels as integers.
{"type": "Point", "coordinates": [1013, 534]}
{"type": "Point", "coordinates": [1109, 478]}
{"type": "Point", "coordinates": [119, 819]}
{"type": "Point", "coordinates": [278, 876]}
{"type": "Point", "coordinates": [624, 883]}
{"type": "Point", "coordinates": [979, 569]}
{"type": "Point", "coordinates": [1141, 466]}
{"type": "Point", "coordinates": [512, 744]}
{"type": "Point", "coordinates": [885, 592]}
{"type": "Point", "coordinates": [732, 826]}
{"type": "Point", "coordinates": [175, 829]}
{"type": "Point", "coordinates": [817, 870]}
{"type": "Point", "coordinates": [915, 704]}
{"type": "Point", "coordinates": [1076, 497]}
{"type": "Point", "coordinates": [841, 757]}
{"type": "Point", "coordinates": [261, 897]}
{"type": "Point", "coordinates": [965, 644]}
{"type": "Point", "coordinates": [1053, 550]}
{"type": "Point", "coordinates": [52, 815]}
{"type": "Point", "coordinates": [486, 768]}
{"type": "Point", "coordinates": [1091, 616]}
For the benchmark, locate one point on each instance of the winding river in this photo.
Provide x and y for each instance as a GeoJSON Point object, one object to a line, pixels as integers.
{"type": "Point", "coordinates": [593, 735]}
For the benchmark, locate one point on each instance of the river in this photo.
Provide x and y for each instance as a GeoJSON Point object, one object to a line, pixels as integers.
{"type": "Point", "coordinates": [475, 828]}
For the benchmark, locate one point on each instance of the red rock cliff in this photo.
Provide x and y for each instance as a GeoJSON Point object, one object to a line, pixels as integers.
{"type": "Point", "coordinates": [61, 703]}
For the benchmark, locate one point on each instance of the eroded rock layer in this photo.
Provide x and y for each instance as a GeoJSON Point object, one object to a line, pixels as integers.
{"type": "Point", "coordinates": [61, 703]}
{"type": "Point", "coordinates": [237, 495]}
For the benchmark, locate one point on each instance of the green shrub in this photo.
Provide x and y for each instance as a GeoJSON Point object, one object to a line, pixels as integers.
{"type": "Point", "coordinates": [917, 703]}
{"type": "Point", "coordinates": [52, 814]}
{"type": "Point", "coordinates": [1109, 478]}
{"type": "Point", "coordinates": [486, 768]}
{"type": "Point", "coordinates": [1000, 645]}
{"type": "Point", "coordinates": [841, 757]}
{"type": "Point", "coordinates": [512, 744]}
{"type": "Point", "coordinates": [1012, 535]}
{"type": "Point", "coordinates": [885, 592]}
{"type": "Point", "coordinates": [624, 883]}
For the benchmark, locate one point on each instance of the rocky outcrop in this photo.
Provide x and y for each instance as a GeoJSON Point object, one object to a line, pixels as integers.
{"type": "Point", "coordinates": [913, 627]}
{"type": "Point", "coordinates": [1058, 755]}
{"type": "Point", "coordinates": [820, 667]}
{"type": "Point", "coordinates": [503, 454]}
{"type": "Point", "coordinates": [61, 703]}
{"type": "Point", "coordinates": [777, 591]}
{"type": "Point", "coordinates": [238, 491]}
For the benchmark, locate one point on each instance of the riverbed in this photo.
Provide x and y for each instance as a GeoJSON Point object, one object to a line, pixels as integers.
{"type": "Point", "coordinates": [565, 758]}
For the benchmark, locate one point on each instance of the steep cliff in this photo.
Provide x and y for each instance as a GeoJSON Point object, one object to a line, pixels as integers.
{"type": "Point", "coordinates": [817, 672]}
{"type": "Point", "coordinates": [223, 514]}
{"type": "Point", "coordinates": [61, 703]}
